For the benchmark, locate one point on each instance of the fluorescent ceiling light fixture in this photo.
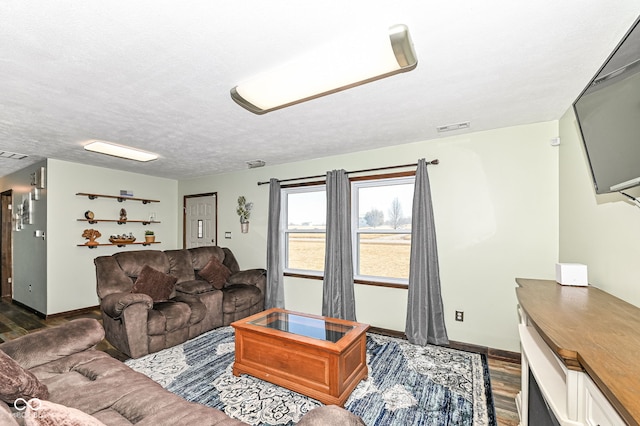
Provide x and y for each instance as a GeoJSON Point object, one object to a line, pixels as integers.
{"type": "Point", "coordinates": [341, 65]}
{"type": "Point", "coordinates": [112, 149]}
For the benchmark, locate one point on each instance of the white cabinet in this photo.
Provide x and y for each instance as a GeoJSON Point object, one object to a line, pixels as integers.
{"type": "Point", "coordinates": [570, 394]}
{"type": "Point", "coordinates": [598, 410]}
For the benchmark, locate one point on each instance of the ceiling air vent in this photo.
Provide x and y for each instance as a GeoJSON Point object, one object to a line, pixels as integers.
{"type": "Point", "coordinates": [253, 164]}
{"type": "Point", "coordinates": [456, 126]}
{"type": "Point", "coordinates": [12, 155]}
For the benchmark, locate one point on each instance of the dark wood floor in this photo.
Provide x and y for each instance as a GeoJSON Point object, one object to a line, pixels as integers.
{"type": "Point", "coordinates": [505, 375]}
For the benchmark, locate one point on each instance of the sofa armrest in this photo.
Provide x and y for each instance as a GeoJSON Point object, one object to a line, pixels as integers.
{"type": "Point", "coordinates": [250, 276]}
{"type": "Point", "coordinates": [113, 304]}
{"type": "Point", "coordinates": [50, 344]}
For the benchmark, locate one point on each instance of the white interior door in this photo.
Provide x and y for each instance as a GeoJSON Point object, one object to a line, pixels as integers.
{"type": "Point", "coordinates": [200, 221]}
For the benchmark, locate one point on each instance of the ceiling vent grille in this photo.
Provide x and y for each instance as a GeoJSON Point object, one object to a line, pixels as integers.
{"type": "Point", "coordinates": [456, 126]}
{"type": "Point", "coordinates": [254, 164]}
{"type": "Point", "coordinates": [12, 155]}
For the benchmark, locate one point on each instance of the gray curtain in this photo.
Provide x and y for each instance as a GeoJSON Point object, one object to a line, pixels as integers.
{"type": "Point", "coordinates": [338, 299]}
{"type": "Point", "coordinates": [425, 313]}
{"type": "Point", "coordinates": [275, 287]}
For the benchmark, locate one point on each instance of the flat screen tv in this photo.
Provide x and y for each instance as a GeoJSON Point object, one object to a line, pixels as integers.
{"type": "Point", "coordinates": [608, 114]}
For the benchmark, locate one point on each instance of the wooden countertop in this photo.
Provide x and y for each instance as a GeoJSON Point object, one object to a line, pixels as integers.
{"type": "Point", "coordinates": [593, 331]}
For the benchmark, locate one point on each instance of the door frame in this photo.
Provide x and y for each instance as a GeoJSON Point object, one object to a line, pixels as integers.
{"type": "Point", "coordinates": [6, 244]}
{"type": "Point", "coordinates": [184, 214]}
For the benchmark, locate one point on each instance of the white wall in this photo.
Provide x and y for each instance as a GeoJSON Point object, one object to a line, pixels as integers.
{"type": "Point", "coordinates": [70, 269]}
{"type": "Point", "coordinates": [601, 231]}
{"type": "Point", "coordinates": [495, 197]}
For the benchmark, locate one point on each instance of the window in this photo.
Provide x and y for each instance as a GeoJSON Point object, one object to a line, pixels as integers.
{"type": "Point", "coordinates": [381, 226]}
{"type": "Point", "coordinates": [304, 215]}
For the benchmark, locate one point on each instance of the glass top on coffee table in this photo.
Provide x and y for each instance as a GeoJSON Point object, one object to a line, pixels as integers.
{"type": "Point", "coordinates": [309, 326]}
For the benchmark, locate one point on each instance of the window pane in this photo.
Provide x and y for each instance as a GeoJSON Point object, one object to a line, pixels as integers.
{"type": "Point", "coordinates": [306, 210]}
{"type": "Point", "coordinates": [385, 207]}
{"type": "Point", "coordinates": [306, 251]}
{"type": "Point", "coordinates": [384, 255]}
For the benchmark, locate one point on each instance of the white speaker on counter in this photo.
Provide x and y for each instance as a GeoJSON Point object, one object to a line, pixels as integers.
{"type": "Point", "coordinates": [572, 274]}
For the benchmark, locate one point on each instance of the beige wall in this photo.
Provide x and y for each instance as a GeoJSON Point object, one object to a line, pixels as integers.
{"type": "Point", "coordinates": [601, 231]}
{"type": "Point", "coordinates": [495, 197]}
{"type": "Point", "coordinates": [71, 274]}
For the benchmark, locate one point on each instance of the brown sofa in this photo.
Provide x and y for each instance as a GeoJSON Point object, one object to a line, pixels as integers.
{"type": "Point", "coordinates": [137, 325]}
{"type": "Point", "coordinates": [76, 376]}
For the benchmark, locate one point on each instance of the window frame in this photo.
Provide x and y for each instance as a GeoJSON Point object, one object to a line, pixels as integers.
{"type": "Point", "coordinates": [321, 185]}
{"type": "Point", "coordinates": [373, 182]}
{"type": "Point", "coordinates": [285, 231]}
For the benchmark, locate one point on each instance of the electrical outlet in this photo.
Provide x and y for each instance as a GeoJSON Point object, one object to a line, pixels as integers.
{"type": "Point", "coordinates": [29, 287]}
{"type": "Point", "coordinates": [459, 316]}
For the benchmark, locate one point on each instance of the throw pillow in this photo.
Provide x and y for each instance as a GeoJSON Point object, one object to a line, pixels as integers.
{"type": "Point", "coordinates": [16, 382]}
{"type": "Point", "coordinates": [47, 413]}
{"type": "Point", "coordinates": [154, 283]}
{"type": "Point", "coordinates": [215, 273]}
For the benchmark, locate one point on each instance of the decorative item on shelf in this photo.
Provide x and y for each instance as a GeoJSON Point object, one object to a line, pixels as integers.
{"type": "Point", "coordinates": [123, 216]}
{"type": "Point", "coordinates": [149, 236]}
{"type": "Point", "coordinates": [122, 239]}
{"type": "Point", "coordinates": [91, 235]}
{"type": "Point", "coordinates": [244, 211]}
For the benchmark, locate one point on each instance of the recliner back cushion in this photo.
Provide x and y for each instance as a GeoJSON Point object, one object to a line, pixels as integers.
{"type": "Point", "coordinates": [230, 260]}
{"type": "Point", "coordinates": [132, 262]}
{"type": "Point", "coordinates": [200, 256]}
{"type": "Point", "coordinates": [180, 265]}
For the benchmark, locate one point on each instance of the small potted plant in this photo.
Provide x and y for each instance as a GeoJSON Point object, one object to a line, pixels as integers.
{"type": "Point", "coordinates": [149, 236]}
{"type": "Point", "coordinates": [244, 211]}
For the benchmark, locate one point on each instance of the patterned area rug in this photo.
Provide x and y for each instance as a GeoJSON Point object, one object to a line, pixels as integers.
{"type": "Point", "coordinates": [407, 384]}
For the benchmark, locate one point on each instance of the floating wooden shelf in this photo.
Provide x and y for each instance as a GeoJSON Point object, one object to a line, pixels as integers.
{"type": "Point", "coordinates": [118, 221]}
{"type": "Point", "coordinates": [119, 245]}
{"type": "Point", "coordinates": [120, 198]}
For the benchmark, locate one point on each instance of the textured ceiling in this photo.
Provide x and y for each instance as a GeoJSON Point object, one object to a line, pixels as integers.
{"type": "Point", "coordinates": [156, 75]}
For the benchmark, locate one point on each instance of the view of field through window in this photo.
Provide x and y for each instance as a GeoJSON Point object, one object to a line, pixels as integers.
{"type": "Point", "coordinates": [381, 255]}
{"type": "Point", "coordinates": [382, 230]}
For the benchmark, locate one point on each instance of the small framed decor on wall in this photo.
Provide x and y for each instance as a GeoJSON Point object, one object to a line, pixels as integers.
{"type": "Point", "coordinates": [27, 209]}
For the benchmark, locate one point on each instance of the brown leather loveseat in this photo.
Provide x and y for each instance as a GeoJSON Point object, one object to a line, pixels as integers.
{"type": "Point", "coordinates": [151, 300]}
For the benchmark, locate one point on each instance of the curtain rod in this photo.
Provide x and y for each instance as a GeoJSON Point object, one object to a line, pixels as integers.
{"type": "Point", "coordinates": [434, 162]}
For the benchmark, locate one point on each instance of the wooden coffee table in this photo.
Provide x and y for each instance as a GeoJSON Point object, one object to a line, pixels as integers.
{"type": "Point", "coordinates": [321, 357]}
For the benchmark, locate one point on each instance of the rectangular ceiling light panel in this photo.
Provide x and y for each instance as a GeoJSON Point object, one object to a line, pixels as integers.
{"type": "Point", "coordinates": [334, 67]}
{"type": "Point", "coordinates": [115, 150]}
